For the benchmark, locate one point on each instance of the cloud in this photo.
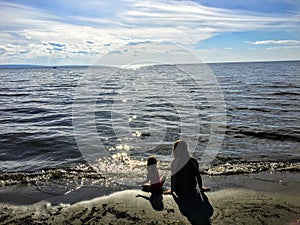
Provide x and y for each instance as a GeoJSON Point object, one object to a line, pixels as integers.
{"type": "Point", "coordinates": [276, 42]}
{"type": "Point", "coordinates": [2, 50]}
{"type": "Point", "coordinates": [193, 15]}
{"type": "Point", "coordinates": [115, 52]}
{"type": "Point", "coordinates": [90, 42]}
{"type": "Point", "coordinates": [284, 47]}
{"type": "Point", "coordinates": [37, 32]}
{"type": "Point", "coordinates": [32, 33]}
{"type": "Point", "coordinates": [59, 45]}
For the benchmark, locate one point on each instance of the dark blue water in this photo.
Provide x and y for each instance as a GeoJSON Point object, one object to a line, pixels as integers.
{"type": "Point", "coordinates": [262, 115]}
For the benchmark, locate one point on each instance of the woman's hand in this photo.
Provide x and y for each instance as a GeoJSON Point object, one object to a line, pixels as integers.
{"type": "Point", "coordinates": [168, 192]}
{"type": "Point", "coordinates": [205, 189]}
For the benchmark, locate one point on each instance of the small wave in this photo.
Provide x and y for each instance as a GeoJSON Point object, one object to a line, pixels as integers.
{"type": "Point", "coordinates": [13, 94]}
{"type": "Point", "coordinates": [27, 110]}
{"type": "Point", "coordinates": [286, 93]}
{"type": "Point", "coordinates": [44, 176]}
{"type": "Point", "coordinates": [279, 134]}
{"type": "Point", "coordinates": [272, 135]}
{"type": "Point", "coordinates": [251, 167]}
{"type": "Point", "coordinates": [84, 174]}
{"type": "Point", "coordinates": [250, 109]}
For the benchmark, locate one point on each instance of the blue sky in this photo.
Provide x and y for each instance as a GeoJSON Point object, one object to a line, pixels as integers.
{"type": "Point", "coordinates": [63, 32]}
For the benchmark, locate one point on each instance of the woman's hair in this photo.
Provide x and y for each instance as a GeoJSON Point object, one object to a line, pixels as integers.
{"type": "Point", "coordinates": [151, 161]}
{"type": "Point", "coordinates": [180, 150]}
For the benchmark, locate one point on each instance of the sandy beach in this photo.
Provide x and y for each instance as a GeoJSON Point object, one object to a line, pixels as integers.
{"type": "Point", "coordinates": [261, 198]}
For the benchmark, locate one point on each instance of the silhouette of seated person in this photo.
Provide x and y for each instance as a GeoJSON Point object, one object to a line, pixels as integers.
{"type": "Point", "coordinates": [192, 202]}
{"type": "Point", "coordinates": [153, 184]}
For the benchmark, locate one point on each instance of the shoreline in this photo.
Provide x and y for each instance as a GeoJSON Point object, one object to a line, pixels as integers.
{"type": "Point", "coordinates": [261, 198]}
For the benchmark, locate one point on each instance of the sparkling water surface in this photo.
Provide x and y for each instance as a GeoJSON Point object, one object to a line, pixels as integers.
{"type": "Point", "coordinates": [262, 116]}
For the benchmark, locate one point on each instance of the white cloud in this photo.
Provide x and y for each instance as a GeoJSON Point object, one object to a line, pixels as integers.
{"type": "Point", "coordinates": [277, 42]}
{"type": "Point", "coordinates": [192, 15]}
{"type": "Point", "coordinates": [27, 32]}
{"type": "Point", "coordinates": [284, 47]}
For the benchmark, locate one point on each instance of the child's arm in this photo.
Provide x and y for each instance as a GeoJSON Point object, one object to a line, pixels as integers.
{"type": "Point", "coordinates": [141, 182]}
{"type": "Point", "coordinates": [162, 179]}
{"type": "Point", "coordinates": [145, 181]}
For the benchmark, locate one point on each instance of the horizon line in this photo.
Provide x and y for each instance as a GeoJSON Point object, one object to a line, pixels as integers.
{"type": "Point", "coordinates": [90, 65]}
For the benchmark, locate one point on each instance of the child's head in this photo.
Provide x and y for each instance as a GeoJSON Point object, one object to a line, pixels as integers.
{"type": "Point", "coordinates": [151, 161]}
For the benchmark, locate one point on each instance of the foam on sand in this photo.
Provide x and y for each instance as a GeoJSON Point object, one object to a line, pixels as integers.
{"type": "Point", "coordinates": [256, 201]}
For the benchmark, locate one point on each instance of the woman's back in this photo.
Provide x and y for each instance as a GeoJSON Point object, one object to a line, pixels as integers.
{"type": "Point", "coordinates": [185, 177]}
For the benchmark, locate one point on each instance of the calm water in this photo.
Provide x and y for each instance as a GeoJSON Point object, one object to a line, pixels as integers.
{"type": "Point", "coordinates": [262, 117]}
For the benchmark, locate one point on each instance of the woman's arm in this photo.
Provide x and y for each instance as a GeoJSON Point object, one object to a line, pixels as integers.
{"type": "Point", "coordinates": [173, 180]}
{"type": "Point", "coordinates": [197, 172]}
{"type": "Point", "coordinates": [199, 179]}
{"type": "Point", "coordinates": [172, 191]}
{"type": "Point", "coordinates": [173, 176]}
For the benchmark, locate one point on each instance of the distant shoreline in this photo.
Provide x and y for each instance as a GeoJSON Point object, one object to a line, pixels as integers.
{"type": "Point", "coordinates": [26, 66]}
{"type": "Point", "coordinates": [29, 66]}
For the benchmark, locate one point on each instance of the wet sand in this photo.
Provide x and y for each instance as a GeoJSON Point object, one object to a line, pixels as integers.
{"type": "Point", "coordinates": [262, 198]}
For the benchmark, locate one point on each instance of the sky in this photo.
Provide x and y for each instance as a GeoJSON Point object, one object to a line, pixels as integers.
{"type": "Point", "coordinates": [78, 32]}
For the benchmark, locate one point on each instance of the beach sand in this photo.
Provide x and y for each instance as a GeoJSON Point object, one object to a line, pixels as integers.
{"type": "Point", "coordinates": [262, 198]}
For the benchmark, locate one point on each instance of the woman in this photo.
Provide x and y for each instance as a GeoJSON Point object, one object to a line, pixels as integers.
{"type": "Point", "coordinates": [185, 171]}
{"type": "Point", "coordinates": [185, 176]}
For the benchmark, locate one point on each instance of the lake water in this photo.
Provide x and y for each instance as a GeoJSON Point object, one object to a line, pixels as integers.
{"type": "Point", "coordinates": [141, 112]}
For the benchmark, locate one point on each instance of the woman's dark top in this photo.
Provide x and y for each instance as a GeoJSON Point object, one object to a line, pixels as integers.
{"type": "Point", "coordinates": [185, 178]}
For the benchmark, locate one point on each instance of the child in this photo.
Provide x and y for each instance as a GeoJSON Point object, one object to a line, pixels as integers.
{"type": "Point", "coordinates": [153, 182]}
